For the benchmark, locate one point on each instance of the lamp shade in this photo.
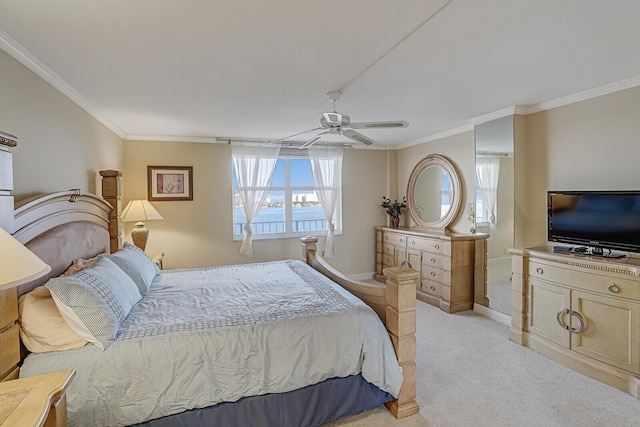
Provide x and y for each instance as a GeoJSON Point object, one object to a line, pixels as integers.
{"type": "Point", "coordinates": [18, 264]}
{"type": "Point", "coordinates": [140, 210]}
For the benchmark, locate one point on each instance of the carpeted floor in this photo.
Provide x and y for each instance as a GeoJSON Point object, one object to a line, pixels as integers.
{"type": "Point", "coordinates": [470, 374]}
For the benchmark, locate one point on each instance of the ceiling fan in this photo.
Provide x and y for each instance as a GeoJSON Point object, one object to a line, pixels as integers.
{"type": "Point", "coordinates": [335, 123]}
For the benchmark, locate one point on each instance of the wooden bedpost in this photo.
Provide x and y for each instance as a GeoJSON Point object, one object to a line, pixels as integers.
{"type": "Point", "coordinates": [401, 324]}
{"type": "Point", "coordinates": [112, 193]}
{"type": "Point", "coordinates": [395, 303]}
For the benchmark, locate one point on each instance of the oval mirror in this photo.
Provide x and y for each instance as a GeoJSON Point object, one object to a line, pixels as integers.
{"type": "Point", "coordinates": [434, 192]}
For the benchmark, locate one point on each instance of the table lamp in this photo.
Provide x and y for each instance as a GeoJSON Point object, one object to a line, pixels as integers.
{"type": "Point", "coordinates": [140, 211]}
{"type": "Point", "coordinates": [18, 264]}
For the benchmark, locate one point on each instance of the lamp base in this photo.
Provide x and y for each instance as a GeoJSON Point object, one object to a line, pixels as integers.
{"type": "Point", "coordinates": [140, 235]}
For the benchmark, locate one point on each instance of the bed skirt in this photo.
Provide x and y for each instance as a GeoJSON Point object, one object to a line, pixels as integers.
{"type": "Point", "coordinates": [307, 407]}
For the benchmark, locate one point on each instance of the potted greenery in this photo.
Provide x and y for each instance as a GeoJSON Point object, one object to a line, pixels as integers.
{"type": "Point", "coordinates": [394, 209]}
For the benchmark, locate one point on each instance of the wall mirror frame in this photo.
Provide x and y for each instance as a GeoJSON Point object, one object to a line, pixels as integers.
{"type": "Point", "coordinates": [425, 189]}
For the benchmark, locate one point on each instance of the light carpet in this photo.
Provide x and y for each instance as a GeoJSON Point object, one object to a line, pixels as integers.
{"type": "Point", "coordinates": [470, 374]}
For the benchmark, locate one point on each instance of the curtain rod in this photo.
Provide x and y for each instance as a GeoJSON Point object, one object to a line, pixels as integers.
{"type": "Point", "coordinates": [490, 154]}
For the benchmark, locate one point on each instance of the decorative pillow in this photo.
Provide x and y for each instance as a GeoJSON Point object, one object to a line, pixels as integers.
{"type": "Point", "coordinates": [95, 300]}
{"type": "Point", "coordinates": [133, 261]}
{"type": "Point", "coordinates": [79, 265]}
{"type": "Point", "coordinates": [42, 327]}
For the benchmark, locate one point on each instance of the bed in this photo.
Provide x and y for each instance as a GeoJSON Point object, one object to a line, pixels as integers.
{"type": "Point", "coordinates": [307, 352]}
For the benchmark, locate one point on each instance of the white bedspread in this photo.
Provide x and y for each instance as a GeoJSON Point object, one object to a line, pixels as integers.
{"type": "Point", "coordinates": [204, 336]}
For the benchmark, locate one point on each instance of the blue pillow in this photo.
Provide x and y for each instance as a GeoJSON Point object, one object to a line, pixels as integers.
{"type": "Point", "coordinates": [133, 261]}
{"type": "Point", "coordinates": [95, 300]}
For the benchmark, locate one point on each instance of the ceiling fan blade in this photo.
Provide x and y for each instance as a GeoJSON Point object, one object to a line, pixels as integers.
{"type": "Point", "coordinates": [378, 125]}
{"type": "Point", "coordinates": [311, 141]}
{"type": "Point", "coordinates": [299, 133]}
{"type": "Point", "coordinates": [358, 137]}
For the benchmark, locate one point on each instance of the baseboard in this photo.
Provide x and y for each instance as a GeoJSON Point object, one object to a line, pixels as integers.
{"type": "Point", "coordinates": [492, 314]}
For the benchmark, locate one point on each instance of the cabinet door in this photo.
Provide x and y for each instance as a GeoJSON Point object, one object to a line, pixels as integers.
{"type": "Point", "coordinates": [609, 330]}
{"type": "Point", "coordinates": [415, 261]}
{"type": "Point", "coordinates": [401, 256]}
{"type": "Point", "coordinates": [549, 311]}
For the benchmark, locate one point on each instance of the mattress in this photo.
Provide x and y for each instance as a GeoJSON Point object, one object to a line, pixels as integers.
{"type": "Point", "coordinates": [204, 336]}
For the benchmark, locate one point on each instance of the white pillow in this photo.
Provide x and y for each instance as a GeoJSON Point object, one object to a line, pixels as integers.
{"type": "Point", "coordinates": [95, 300]}
{"type": "Point", "coordinates": [42, 327]}
{"type": "Point", "coordinates": [133, 261]}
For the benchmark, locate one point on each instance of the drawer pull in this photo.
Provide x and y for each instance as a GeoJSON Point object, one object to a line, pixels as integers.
{"type": "Point", "coordinates": [401, 240]}
{"type": "Point", "coordinates": [539, 270]}
{"type": "Point", "coordinates": [433, 260]}
{"type": "Point", "coordinates": [559, 320]}
{"type": "Point", "coordinates": [581, 328]}
{"type": "Point", "coordinates": [433, 274]}
{"type": "Point", "coordinates": [433, 288]}
{"type": "Point", "coordinates": [437, 246]}
{"type": "Point", "coordinates": [413, 242]}
{"type": "Point", "coordinates": [614, 288]}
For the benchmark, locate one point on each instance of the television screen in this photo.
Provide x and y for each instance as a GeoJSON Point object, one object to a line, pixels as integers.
{"type": "Point", "coordinates": [600, 219]}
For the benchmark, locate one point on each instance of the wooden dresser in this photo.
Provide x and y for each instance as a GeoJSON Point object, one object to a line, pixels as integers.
{"type": "Point", "coordinates": [581, 311]}
{"type": "Point", "coordinates": [445, 263]}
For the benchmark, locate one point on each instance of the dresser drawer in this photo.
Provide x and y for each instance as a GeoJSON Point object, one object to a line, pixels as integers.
{"type": "Point", "coordinates": [429, 245]}
{"type": "Point", "coordinates": [388, 249]}
{"type": "Point", "coordinates": [436, 261]}
{"type": "Point", "coordinates": [388, 260]}
{"type": "Point", "coordinates": [395, 239]}
{"type": "Point", "coordinates": [8, 307]}
{"type": "Point", "coordinates": [576, 277]}
{"type": "Point", "coordinates": [436, 274]}
{"type": "Point", "coordinates": [10, 345]}
{"type": "Point", "coordinates": [432, 288]}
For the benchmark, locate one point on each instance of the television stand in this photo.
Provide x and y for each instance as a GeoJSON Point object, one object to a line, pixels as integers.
{"type": "Point", "coordinates": [581, 311]}
{"type": "Point", "coordinates": [600, 252]}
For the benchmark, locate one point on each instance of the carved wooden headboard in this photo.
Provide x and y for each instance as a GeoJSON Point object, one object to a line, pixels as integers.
{"type": "Point", "coordinates": [64, 226]}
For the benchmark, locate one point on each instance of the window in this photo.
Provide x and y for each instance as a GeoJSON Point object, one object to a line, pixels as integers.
{"type": "Point", "coordinates": [291, 208]}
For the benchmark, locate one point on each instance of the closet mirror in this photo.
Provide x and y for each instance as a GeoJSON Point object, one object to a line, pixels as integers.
{"type": "Point", "coordinates": [495, 206]}
{"type": "Point", "coordinates": [434, 193]}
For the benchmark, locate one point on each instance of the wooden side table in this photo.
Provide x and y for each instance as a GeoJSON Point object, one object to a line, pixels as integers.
{"type": "Point", "coordinates": [35, 401]}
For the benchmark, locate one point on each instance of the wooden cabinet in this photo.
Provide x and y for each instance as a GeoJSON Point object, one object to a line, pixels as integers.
{"type": "Point", "coordinates": [580, 311]}
{"type": "Point", "coordinates": [445, 263]}
{"type": "Point", "coordinates": [9, 335]}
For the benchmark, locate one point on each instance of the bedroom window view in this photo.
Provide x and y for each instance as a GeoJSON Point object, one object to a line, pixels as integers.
{"type": "Point", "coordinates": [291, 207]}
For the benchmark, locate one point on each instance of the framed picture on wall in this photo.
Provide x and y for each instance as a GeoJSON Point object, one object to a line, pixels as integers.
{"type": "Point", "coordinates": [169, 183]}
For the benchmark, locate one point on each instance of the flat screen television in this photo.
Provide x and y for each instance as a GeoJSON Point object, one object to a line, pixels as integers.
{"type": "Point", "coordinates": [608, 220]}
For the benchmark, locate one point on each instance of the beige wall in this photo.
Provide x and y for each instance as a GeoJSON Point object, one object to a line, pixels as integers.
{"type": "Point", "coordinates": [60, 145]}
{"type": "Point", "coordinates": [198, 233]}
{"type": "Point", "coordinates": [460, 150]}
{"type": "Point", "coordinates": [589, 145]}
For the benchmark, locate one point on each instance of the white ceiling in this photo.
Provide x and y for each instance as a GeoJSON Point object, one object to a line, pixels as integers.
{"type": "Point", "coordinates": [200, 69]}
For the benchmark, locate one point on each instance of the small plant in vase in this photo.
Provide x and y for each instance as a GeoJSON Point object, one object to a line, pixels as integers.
{"type": "Point", "coordinates": [394, 209]}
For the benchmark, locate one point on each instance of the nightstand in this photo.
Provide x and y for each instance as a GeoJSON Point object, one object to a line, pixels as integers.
{"type": "Point", "coordinates": [158, 259]}
{"type": "Point", "coordinates": [35, 401]}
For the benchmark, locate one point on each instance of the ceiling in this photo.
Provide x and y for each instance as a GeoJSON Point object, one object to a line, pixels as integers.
{"type": "Point", "coordinates": [257, 69]}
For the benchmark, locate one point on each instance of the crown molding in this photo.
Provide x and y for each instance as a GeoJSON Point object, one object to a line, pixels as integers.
{"type": "Point", "coordinates": [584, 95]}
{"type": "Point", "coordinates": [435, 137]}
{"type": "Point", "coordinates": [509, 111]}
{"type": "Point", "coordinates": [26, 58]}
{"type": "Point", "coordinates": [175, 138]}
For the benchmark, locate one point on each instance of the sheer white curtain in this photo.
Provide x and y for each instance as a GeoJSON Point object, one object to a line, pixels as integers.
{"type": "Point", "coordinates": [488, 171]}
{"type": "Point", "coordinates": [326, 165]}
{"type": "Point", "coordinates": [254, 166]}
